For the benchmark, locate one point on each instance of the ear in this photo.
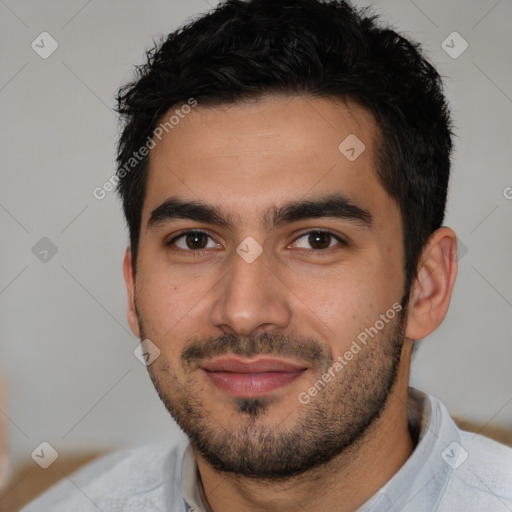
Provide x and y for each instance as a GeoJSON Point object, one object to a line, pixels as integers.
{"type": "Point", "coordinates": [129, 279]}
{"type": "Point", "coordinates": [432, 289]}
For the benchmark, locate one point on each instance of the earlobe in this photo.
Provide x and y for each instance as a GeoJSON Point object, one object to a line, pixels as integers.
{"type": "Point", "coordinates": [432, 289]}
{"type": "Point", "coordinates": [129, 279]}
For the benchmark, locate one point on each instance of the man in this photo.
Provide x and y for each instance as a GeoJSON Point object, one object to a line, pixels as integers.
{"type": "Point", "coordinates": [283, 170]}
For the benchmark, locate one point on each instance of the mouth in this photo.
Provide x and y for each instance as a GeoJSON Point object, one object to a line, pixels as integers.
{"type": "Point", "coordinates": [251, 377]}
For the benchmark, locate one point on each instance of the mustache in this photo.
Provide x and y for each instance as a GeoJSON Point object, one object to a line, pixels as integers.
{"type": "Point", "coordinates": [305, 349]}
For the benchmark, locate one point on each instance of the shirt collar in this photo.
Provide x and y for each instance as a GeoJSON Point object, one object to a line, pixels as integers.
{"type": "Point", "coordinates": [427, 423]}
{"type": "Point", "coordinates": [191, 487]}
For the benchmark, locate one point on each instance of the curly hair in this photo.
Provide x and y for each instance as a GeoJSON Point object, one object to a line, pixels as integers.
{"type": "Point", "coordinates": [246, 49]}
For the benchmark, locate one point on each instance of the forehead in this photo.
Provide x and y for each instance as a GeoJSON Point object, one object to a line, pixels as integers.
{"type": "Point", "coordinates": [252, 155]}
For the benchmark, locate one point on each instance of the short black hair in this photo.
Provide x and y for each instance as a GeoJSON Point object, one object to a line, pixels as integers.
{"type": "Point", "coordinates": [244, 50]}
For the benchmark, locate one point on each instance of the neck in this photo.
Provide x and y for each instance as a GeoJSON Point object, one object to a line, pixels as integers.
{"type": "Point", "coordinates": [344, 484]}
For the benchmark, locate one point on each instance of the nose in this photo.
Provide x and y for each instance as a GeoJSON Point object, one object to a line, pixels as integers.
{"type": "Point", "coordinates": [250, 298]}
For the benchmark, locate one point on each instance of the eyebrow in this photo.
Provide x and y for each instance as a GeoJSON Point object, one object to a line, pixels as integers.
{"type": "Point", "coordinates": [334, 206]}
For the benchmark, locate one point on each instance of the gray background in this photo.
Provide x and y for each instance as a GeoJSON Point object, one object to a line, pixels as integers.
{"type": "Point", "coordinates": [66, 350]}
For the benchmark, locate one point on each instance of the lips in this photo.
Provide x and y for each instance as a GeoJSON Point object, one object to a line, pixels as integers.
{"type": "Point", "coordinates": [251, 377]}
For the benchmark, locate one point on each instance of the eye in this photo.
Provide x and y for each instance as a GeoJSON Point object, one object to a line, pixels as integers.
{"type": "Point", "coordinates": [193, 241]}
{"type": "Point", "coordinates": [319, 240]}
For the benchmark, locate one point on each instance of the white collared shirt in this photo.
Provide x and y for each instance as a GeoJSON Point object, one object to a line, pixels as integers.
{"type": "Point", "coordinates": [449, 471]}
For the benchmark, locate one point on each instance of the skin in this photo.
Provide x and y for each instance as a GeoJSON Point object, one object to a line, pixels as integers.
{"type": "Point", "coordinates": [247, 158]}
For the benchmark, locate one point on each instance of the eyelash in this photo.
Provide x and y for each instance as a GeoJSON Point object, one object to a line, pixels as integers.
{"type": "Point", "coordinates": [194, 253]}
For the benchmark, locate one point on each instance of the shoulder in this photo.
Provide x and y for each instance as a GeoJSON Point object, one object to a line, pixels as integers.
{"type": "Point", "coordinates": [144, 478]}
{"type": "Point", "coordinates": [481, 477]}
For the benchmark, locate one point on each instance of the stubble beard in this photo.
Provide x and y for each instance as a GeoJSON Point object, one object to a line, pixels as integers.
{"type": "Point", "coordinates": [334, 421]}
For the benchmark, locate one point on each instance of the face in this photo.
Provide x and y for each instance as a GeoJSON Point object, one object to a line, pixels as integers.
{"type": "Point", "coordinates": [270, 277]}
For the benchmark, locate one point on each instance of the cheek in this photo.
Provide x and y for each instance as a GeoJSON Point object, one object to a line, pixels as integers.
{"type": "Point", "coordinates": [334, 303]}
{"type": "Point", "coordinates": [167, 300]}
{"type": "Point", "coordinates": [347, 302]}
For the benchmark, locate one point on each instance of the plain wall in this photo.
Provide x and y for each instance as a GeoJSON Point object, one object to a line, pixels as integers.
{"type": "Point", "coordinates": [66, 349]}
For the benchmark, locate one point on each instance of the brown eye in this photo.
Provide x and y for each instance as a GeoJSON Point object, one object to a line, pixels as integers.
{"type": "Point", "coordinates": [193, 241]}
{"type": "Point", "coordinates": [196, 240]}
{"type": "Point", "coordinates": [317, 240]}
